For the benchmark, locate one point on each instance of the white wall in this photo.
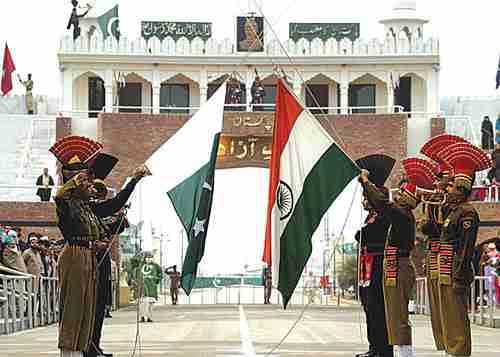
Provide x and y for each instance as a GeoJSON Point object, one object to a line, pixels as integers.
{"type": "Point", "coordinates": [81, 92]}
{"type": "Point", "coordinates": [419, 125]}
{"type": "Point", "coordinates": [418, 94]}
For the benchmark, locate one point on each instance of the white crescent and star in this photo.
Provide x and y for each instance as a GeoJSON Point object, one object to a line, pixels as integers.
{"type": "Point", "coordinates": [199, 226]}
{"type": "Point", "coordinates": [110, 25]}
{"type": "Point", "coordinates": [207, 186]}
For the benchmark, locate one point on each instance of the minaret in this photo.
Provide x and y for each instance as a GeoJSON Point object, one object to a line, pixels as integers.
{"type": "Point", "coordinates": [404, 22]}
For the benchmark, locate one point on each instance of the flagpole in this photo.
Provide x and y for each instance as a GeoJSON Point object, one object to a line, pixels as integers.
{"type": "Point", "coordinates": [182, 247]}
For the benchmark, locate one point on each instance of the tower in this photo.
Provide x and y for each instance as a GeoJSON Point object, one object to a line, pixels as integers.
{"type": "Point", "coordinates": [404, 23]}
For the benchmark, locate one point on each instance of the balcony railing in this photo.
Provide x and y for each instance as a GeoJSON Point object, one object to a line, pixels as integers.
{"type": "Point", "coordinates": [173, 110]}
{"type": "Point", "coordinates": [96, 45]}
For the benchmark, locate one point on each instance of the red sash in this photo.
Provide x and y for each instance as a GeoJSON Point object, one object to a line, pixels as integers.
{"type": "Point", "coordinates": [366, 268]}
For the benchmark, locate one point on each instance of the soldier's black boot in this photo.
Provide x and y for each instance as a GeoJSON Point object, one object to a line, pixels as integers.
{"type": "Point", "coordinates": [367, 354]}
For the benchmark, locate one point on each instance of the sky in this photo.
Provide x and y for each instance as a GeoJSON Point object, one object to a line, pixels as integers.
{"type": "Point", "coordinates": [469, 57]}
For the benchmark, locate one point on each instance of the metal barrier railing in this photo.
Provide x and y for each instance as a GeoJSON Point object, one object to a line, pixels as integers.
{"type": "Point", "coordinates": [422, 298]}
{"type": "Point", "coordinates": [251, 295]}
{"type": "Point", "coordinates": [26, 302]}
{"type": "Point", "coordinates": [483, 305]}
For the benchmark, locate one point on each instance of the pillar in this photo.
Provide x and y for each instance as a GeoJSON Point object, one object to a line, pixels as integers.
{"type": "Point", "coordinates": [432, 89]}
{"type": "Point", "coordinates": [344, 98]}
{"type": "Point", "coordinates": [67, 92]}
{"type": "Point", "coordinates": [248, 88]}
{"type": "Point", "coordinates": [156, 99]}
{"type": "Point", "coordinates": [108, 90]}
{"type": "Point", "coordinates": [203, 86]}
{"type": "Point", "coordinates": [344, 92]}
{"type": "Point", "coordinates": [390, 98]}
{"type": "Point", "coordinates": [203, 94]}
{"type": "Point", "coordinates": [108, 98]}
{"type": "Point", "coordinates": [156, 90]}
{"type": "Point", "coordinates": [297, 87]}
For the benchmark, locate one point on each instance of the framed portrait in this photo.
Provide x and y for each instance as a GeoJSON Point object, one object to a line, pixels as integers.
{"type": "Point", "coordinates": [250, 34]}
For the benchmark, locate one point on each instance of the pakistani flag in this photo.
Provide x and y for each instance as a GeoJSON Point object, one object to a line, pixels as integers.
{"type": "Point", "coordinates": [183, 168]}
{"type": "Point", "coordinates": [110, 23]}
{"type": "Point", "coordinates": [309, 171]}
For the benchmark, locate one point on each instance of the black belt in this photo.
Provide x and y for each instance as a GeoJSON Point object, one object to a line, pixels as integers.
{"type": "Point", "coordinates": [81, 243]}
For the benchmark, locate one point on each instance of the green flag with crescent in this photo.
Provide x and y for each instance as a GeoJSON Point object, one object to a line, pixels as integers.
{"type": "Point", "coordinates": [109, 23]}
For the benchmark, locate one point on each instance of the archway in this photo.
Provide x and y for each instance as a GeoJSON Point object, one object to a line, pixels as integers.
{"type": "Point", "coordinates": [321, 91]}
{"type": "Point", "coordinates": [181, 92]}
{"type": "Point", "coordinates": [88, 94]}
{"type": "Point", "coordinates": [134, 95]}
{"type": "Point", "coordinates": [412, 92]}
{"type": "Point", "coordinates": [368, 91]}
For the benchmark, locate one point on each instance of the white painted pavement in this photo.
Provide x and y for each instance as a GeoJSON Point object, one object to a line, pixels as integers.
{"type": "Point", "coordinates": [225, 331]}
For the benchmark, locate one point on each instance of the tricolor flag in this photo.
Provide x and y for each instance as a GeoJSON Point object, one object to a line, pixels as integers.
{"type": "Point", "coordinates": [7, 69]}
{"type": "Point", "coordinates": [183, 169]}
{"type": "Point", "coordinates": [308, 172]}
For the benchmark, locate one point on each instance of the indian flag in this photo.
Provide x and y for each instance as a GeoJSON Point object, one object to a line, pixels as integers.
{"type": "Point", "coordinates": [183, 169]}
{"type": "Point", "coordinates": [309, 171]}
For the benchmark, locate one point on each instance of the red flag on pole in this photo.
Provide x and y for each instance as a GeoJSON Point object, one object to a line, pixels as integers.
{"type": "Point", "coordinates": [7, 69]}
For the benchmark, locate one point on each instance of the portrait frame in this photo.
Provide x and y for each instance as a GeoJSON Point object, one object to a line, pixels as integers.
{"type": "Point", "coordinates": [248, 40]}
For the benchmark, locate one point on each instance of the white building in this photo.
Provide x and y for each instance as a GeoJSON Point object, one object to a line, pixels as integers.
{"type": "Point", "coordinates": [182, 73]}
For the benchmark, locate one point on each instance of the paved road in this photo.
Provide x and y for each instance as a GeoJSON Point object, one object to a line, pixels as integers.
{"type": "Point", "coordinates": [189, 331]}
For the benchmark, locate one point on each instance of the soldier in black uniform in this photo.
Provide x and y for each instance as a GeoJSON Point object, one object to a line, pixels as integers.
{"type": "Point", "coordinates": [399, 272]}
{"type": "Point", "coordinates": [372, 239]}
{"type": "Point", "coordinates": [112, 216]}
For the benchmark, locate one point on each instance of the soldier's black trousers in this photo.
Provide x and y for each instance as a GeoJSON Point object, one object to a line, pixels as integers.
{"type": "Point", "coordinates": [372, 298]}
{"type": "Point", "coordinates": [103, 289]}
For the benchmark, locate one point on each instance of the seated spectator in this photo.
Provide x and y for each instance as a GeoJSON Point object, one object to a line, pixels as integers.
{"type": "Point", "coordinates": [11, 255]}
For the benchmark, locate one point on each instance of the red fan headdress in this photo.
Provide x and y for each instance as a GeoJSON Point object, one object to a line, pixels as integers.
{"type": "Point", "coordinates": [420, 172]}
{"type": "Point", "coordinates": [436, 145]}
{"type": "Point", "coordinates": [466, 160]}
{"type": "Point", "coordinates": [75, 153]}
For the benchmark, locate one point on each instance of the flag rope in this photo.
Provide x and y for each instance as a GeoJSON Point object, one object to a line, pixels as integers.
{"type": "Point", "coordinates": [330, 259]}
{"type": "Point", "coordinates": [137, 343]}
{"type": "Point", "coordinates": [306, 86]}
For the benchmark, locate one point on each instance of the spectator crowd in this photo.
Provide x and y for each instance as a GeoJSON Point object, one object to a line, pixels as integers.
{"type": "Point", "coordinates": [36, 254]}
